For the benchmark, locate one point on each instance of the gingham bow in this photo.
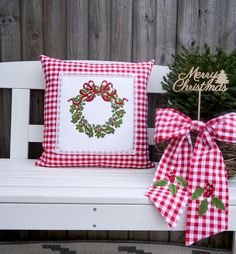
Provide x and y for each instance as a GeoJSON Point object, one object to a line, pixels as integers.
{"type": "Point", "coordinates": [196, 176]}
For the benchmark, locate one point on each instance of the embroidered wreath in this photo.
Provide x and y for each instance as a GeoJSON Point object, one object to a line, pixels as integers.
{"type": "Point", "coordinates": [87, 94]}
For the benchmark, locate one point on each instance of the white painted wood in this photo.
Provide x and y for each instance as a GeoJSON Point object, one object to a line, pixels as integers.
{"type": "Point", "coordinates": [29, 75]}
{"type": "Point", "coordinates": [156, 77]}
{"type": "Point", "coordinates": [19, 123]}
{"type": "Point", "coordinates": [38, 185]}
{"type": "Point", "coordinates": [81, 217]}
{"type": "Point", "coordinates": [22, 74]}
{"type": "Point", "coordinates": [36, 134]}
{"type": "Point", "coordinates": [88, 217]}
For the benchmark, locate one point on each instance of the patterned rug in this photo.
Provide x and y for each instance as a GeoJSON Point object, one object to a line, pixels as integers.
{"type": "Point", "coordinates": [81, 247]}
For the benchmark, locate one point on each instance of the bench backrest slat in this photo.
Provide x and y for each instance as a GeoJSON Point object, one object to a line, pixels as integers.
{"type": "Point", "coordinates": [25, 75]}
{"type": "Point", "coordinates": [29, 74]}
{"type": "Point", "coordinates": [19, 123]}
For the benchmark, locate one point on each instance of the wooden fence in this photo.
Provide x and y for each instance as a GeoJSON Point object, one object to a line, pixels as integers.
{"type": "Point", "coordinates": [120, 30]}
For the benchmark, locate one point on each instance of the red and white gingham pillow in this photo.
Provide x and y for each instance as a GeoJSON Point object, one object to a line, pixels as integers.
{"type": "Point", "coordinates": [54, 69]}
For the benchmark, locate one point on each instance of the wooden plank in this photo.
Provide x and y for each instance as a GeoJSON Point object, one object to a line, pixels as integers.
{"type": "Point", "coordinates": [165, 33]}
{"type": "Point", "coordinates": [118, 235]}
{"type": "Point", "coordinates": [97, 235]}
{"type": "Point", "coordinates": [22, 74]}
{"type": "Point", "coordinates": [227, 25]}
{"type": "Point", "coordinates": [144, 30]}
{"type": "Point", "coordinates": [35, 133]}
{"type": "Point", "coordinates": [9, 235]}
{"type": "Point", "coordinates": [55, 28]}
{"type": "Point", "coordinates": [36, 106]}
{"type": "Point", "coordinates": [57, 234]}
{"type": "Point", "coordinates": [19, 123]}
{"type": "Point", "coordinates": [188, 24]}
{"type": "Point", "coordinates": [159, 236]}
{"type": "Point", "coordinates": [5, 122]}
{"type": "Point", "coordinates": [68, 194]}
{"type": "Point", "coordinates": [138, 235]}
{"type": "Point", "coordinates": [10, 36]}
{"type": "Point", "coordinates": [77, 29]}
{"type": "Point", "coordinates": [32, 29]}
{"type": "Point", "coordinates": [220, 241]}
{"type": "Point", "coordinates": [121, 30]}
{"type": "Point", "coordinates": [209, 14]}
{"type": "Point", "coordinates": [76, 235]}
{"type": "Point", "coordinates": [177, 237]}
{"type": "Point", "coordinates": [84, 217]}
{"type": "Point", "coordinates": [37, 235]}
{"type": "Point", "coordinates": [99, 29]}
{"type": "Point", "coordinates": [86, 182]}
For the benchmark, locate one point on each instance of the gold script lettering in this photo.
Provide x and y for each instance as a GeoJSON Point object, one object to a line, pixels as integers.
{"type": "Point", "coordinates": [182, 83]}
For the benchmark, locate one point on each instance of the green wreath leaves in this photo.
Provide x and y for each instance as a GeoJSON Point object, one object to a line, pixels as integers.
{"type": "Point", "coordinates": [89, 92]}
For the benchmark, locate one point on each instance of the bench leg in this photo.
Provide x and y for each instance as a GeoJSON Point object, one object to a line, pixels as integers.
{"type": "Point", "coordinates": [234, 243]}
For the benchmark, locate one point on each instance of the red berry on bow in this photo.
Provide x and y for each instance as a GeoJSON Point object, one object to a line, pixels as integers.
{"type": "Point", "coordinates": [209, 190]}
{"type": "Point", "coordinates": [171, 178]}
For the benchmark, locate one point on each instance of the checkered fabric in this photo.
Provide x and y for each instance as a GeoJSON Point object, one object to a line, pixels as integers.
{"type": "Point", "coordinates": [202, 168]}
{"type": "Point", "coordinates": [137, 159]}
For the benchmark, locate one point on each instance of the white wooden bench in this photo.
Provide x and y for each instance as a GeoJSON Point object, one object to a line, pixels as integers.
{"type": "Point", "coordinates": [72, 198]}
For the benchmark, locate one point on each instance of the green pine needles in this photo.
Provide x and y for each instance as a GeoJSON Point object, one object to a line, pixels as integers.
{"type": "Point", "coordinates": [213, 103]}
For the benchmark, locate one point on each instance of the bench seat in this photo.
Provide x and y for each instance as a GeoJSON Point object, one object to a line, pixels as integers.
{"type": "Point", "coordinates": [81, 199]}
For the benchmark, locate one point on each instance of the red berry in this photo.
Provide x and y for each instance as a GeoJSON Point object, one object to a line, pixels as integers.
{"type": "Point", "coordinates": [171, 178]}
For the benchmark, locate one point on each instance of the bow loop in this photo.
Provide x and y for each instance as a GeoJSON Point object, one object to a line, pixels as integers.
{"type": "Point", "coordinates": [224, 128]}
{"type": "Point", "coordinates": [170, 123]}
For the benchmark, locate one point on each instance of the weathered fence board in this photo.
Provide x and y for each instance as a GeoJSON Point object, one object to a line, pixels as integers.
{"type": "Point", "coordinates": [121, 30]}
{"type": "Point", "coordinates": [77, 29]}
{"type": "Point", "coordinates": [55, 38]}
{"type": "Point", "coordinates": [188, 24]}
{"type": "Point", "coordinates": [165, 31]}
{"type": "Point", "coordinates": [99, 29]}
{"type": "Point", "coordinates": [209, 14]}
{"type": "Point", "coordinates": [144, 19]}
{"type": "Point", "coordinates": [227, 26]}
{"type": "Point", "coordinates": [32, 29]}
{"type": "Point", "coordinates": [10, 36]}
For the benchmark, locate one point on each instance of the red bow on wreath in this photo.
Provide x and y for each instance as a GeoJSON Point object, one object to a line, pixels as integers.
{"type": "Point", "coordinates": [90, 90]}
{"type": "Point", "coordinates": [197, 177]}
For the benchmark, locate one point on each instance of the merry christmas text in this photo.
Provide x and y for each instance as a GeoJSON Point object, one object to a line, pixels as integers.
{"type": "Point", "coordinates": [215, 81]}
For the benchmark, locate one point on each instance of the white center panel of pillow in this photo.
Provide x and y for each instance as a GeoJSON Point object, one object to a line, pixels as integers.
{"type": "Point", "coordinates": [95, 111]}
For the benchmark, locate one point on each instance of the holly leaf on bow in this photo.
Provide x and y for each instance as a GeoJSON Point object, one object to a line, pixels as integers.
{"type": "Point", "coordinates": [181, 181]}
{"type": "Point", "coordinates": [173, 189]}
{"type": "Point", "coordinates": [160, 183]}
{"type": "Point", "coordinates": [197, 193]}
{"type": "Point", "coordinates": [203, 207]}
{"type": "Point", "coordinates": [218, 203]}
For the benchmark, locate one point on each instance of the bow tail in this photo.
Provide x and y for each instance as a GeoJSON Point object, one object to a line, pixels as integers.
{"type": "Point", "coordinates": [208, 213]}
{"type": "Point", "coordinates": [170, 201]}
